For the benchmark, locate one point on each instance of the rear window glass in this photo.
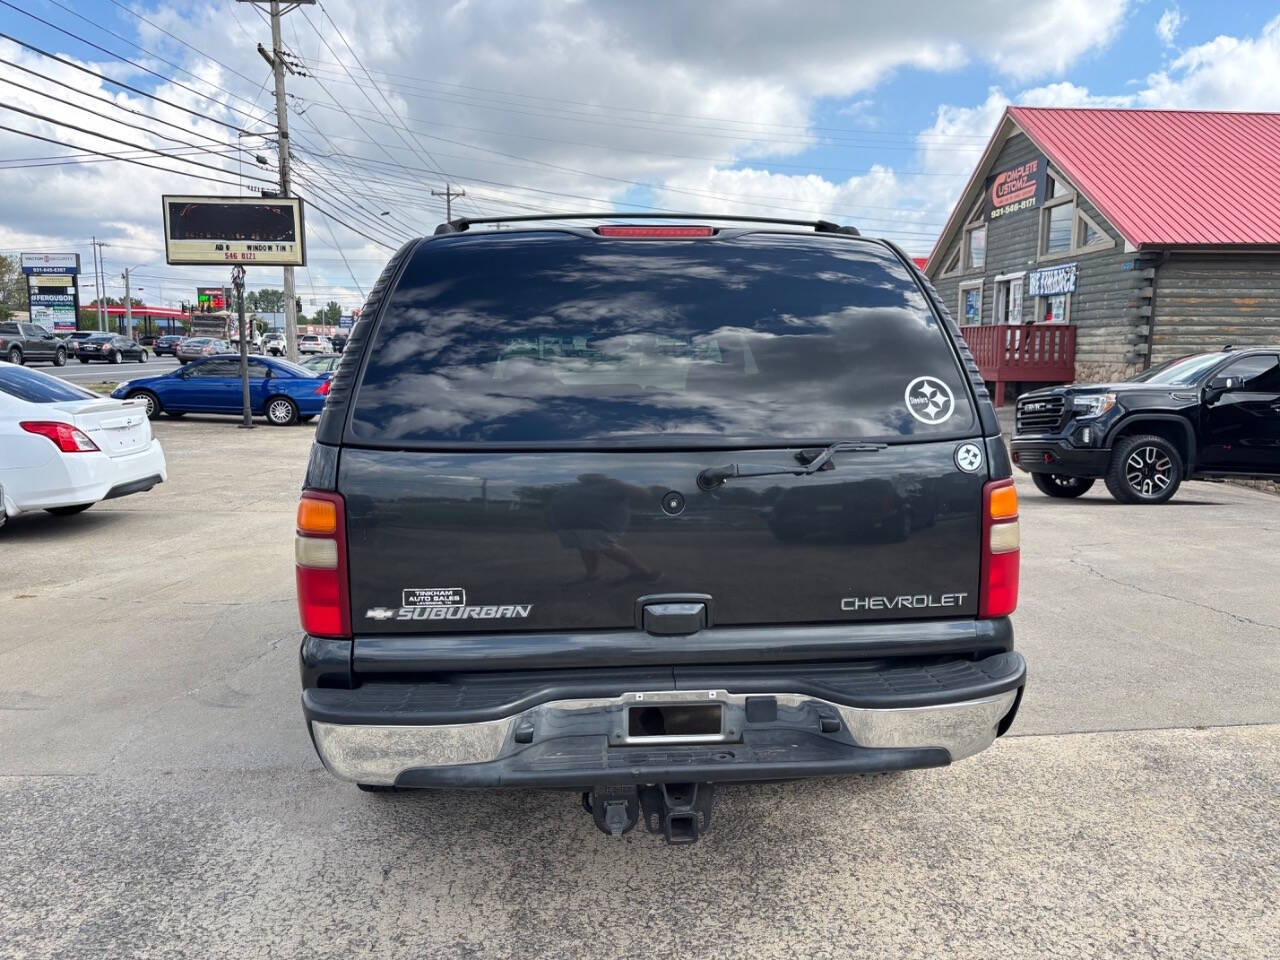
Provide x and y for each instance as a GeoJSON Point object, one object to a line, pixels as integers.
{"type": "Point", "coordinates": [36, 387]}
{"type": "Point", "coordinates": [556, 338]}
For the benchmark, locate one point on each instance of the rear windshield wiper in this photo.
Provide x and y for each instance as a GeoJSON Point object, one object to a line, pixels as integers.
{"type": "Point", "coordinates": [810, 461]}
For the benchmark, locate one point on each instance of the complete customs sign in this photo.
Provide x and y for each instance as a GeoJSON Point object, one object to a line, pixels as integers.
{"type": "Point", "coordinates": [251, 231]}
{"type": "Point", "coordinates": [1016, 188]}
{"type": "Point", "coordinates": [52, 290]}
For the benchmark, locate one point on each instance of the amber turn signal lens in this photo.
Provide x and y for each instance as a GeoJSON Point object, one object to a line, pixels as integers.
{"type": "Point", "coordinates": [317, 516]}
{"type": "Point", "coordinates": [1004, 503]}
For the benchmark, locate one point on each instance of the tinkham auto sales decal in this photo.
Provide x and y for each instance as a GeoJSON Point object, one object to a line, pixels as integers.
{"type": "Point", "coordinates": [445, 603]}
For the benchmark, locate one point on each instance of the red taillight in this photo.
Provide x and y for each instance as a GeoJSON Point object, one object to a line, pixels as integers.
{"type": "Point", "coordinates": [320, 557]}
{"type": "Point", "coordinates": [998, 595]}
{"type": "Point", "coordinates": [65, 437]}
{"type": "Point", "coordinates": [655, 233]}
{"type": "Point", "coordinates": [323, 389]}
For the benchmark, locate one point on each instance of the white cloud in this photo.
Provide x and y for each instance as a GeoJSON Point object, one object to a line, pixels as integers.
{"type": "Point", "coordinates": [1168, 25]}
{"type": "Point", "coordinates": [1227, 73]}
{"type": "Point", "coordinates": [690, 89]}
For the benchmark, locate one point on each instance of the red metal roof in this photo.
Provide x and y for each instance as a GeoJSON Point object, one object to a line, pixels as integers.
{"type": "Point", "coordinates": [1169, 176]}
{"type": "Point", "coordinates": [920, 262]}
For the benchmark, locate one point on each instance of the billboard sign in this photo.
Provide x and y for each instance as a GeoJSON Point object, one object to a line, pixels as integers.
{"type": "Point", "coordinates": [51, 289]}
{"type": "Point", "coordinates": [209, 299]}
{"type": "Point", "coordinates": [1017, 188]}
{"type": "Point", "coordinates": [55, 263]}
{"type": "Point", "coordinates": [251, 231]}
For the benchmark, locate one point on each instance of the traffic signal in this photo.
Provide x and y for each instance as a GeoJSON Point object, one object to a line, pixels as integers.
{"type": "Point", "coordinates": [297, 306]}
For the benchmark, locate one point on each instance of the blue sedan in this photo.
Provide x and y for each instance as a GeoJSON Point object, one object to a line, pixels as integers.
{"type": "Point", "coordinates": [283, 392]}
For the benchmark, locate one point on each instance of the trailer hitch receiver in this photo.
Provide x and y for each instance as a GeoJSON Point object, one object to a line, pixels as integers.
{"type": "Point", "coordinates": [680, 812]}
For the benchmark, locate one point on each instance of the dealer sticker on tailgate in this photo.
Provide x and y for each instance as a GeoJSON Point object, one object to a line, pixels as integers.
{"type": "Point", "coordinates": [434, 597]}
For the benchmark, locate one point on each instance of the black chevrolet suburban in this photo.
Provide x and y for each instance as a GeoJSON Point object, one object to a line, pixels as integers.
{"type": "Point", "coordinates": [1204, 416]}
{"type": "Point", "coordinates": [636, 509]}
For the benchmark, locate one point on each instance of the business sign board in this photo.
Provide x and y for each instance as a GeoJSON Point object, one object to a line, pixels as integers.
{"type": "Point", "coordinates": [51, 289]}
{"type": "Point", "coordinates": [1016, 188]}
{"type": "Point", "coordinates": [209, 299]}
{"type": "Point", "coordinates": [1052, 281]}
{"type": "Point", "coordinates": [55, 263]}
{"type": "Point", "coordinates": [251, 231]}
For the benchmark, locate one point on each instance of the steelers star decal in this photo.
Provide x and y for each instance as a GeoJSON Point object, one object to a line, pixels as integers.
{"type": "Point", "coordinates": [930, 400]}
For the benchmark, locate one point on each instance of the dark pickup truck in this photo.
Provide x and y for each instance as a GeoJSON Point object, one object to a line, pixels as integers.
{"type": "Point", "coordinates": [1204, 416]}
{"type": "Point", "coordinates": [637, 509]}
{"type": "Point", "coordinates": [29, 342]}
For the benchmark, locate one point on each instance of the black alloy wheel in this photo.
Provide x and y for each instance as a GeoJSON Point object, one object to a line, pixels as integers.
{"type": "Point", "coordinates": [1144, 469]}
{"type": "Point", "coordinates": [1061, 486]}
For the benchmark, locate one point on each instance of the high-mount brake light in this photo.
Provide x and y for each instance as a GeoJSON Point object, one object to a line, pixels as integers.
{"type": "Point", "coordinates": [655, 233]}
{"type": "Point", "coordinates": [1001, 553]}
{"type": "Point", "coordinates": [65, 437]}
{"type": "Point", "coordinates": [320, 557]}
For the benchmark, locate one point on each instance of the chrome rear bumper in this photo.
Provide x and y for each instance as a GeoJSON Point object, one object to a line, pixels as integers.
{"type": "Point", "coordinates": [380, 754]}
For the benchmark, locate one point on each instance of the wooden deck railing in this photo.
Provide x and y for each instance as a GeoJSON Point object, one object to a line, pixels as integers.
{"type": "Point", "coordinates": [1032, 353]}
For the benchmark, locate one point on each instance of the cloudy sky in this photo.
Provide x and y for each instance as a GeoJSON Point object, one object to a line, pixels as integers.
{"type": "Point", "coordinates": [871, 114]}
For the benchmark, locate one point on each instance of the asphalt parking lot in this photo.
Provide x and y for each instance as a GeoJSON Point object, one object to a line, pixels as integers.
{"type": "Point", "coordinates": [160, 796]}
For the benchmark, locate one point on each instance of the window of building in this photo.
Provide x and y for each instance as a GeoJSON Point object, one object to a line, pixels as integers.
{"type": "Point", "coordinates": [1054, 309]}
{"type": "Point", "coordinates": [1089, 235]}
{"type": "Point", "coordinates": [975, 246]}
{"type": "Point", "coordinates": [1057, 228]}
{"type": "Point", "coordinates": [953, 265]}
{"type": "Point", "coordinates": [971, 303]}
{"type": "Point", "coordinates": [1065, 229]}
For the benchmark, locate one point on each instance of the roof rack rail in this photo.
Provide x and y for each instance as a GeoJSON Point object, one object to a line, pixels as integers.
{"type": "Point", "coordinates": [820, 226]}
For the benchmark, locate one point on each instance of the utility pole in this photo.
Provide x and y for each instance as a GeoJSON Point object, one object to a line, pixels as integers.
{"type": "Point", "coordinates": [237, 281]}
{"type": "Point", "coordinates": [278, 66]}
{"type": "Point", "coordinates": [99, 281]}
{"type": "Point", "coordinates": [128, 307]}
{"type": "Point", "coordinates": [449, 193]}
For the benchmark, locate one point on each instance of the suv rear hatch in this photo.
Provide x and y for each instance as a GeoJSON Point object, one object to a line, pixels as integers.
{"type": "Point", "coordinates": [522, 447]}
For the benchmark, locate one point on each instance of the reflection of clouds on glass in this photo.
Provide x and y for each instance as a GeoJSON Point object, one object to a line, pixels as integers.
{"type": "Point", "coordinates": [759, 337]}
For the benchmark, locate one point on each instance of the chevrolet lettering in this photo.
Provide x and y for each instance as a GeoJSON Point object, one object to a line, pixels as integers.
{"type": "Point", "coordinates": [918, 601]}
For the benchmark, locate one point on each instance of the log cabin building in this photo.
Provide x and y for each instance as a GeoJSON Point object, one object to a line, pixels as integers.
{"type": "Point", "coordinates": [1090, 244]}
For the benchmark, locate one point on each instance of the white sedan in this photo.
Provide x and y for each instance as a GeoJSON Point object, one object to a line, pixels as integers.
{"type": "Point", "coordinates": [62, 449]}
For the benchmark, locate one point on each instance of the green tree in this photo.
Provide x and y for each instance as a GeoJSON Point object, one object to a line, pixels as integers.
{"type": "Point", "coordinates": [13, 287]}
{"type": "Point", "coordinates": [330, 314]}
{"type": "Point", "coordinates": [266, 300]}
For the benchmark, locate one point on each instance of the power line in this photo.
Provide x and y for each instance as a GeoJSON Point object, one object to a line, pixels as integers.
{"type": "Point", "coordinates": [324, 64]}
{"type": "Point", "coordinates": [658, 126]}
{"type": "Point", "coordinates": [597, 176]}
{"type": "Point", "coordinates": [125, 123]}
{"type": "Point", "coordinates": [421, 151]}
{"type": "Point", "coordinates": [103, 136]}
{"type": "Point", "coordinates": [124, 59]}
{"type": "Point", "coordinates": [151, 53]}
{"type": "Point", "coordinates": [344, 258]}
{"type": "Point", "coordinates": [121, 84]}
{"type": "Point", "coordinates": [140, 163]}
